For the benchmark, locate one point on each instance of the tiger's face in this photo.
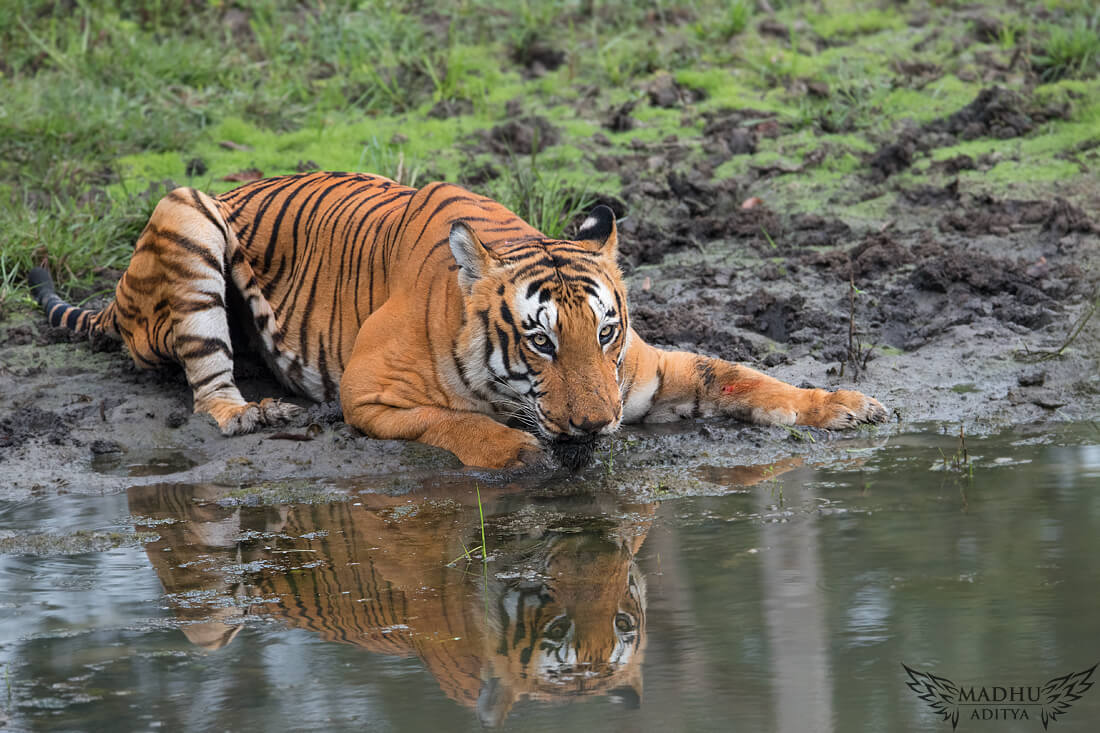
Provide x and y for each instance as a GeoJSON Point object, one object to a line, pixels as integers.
{"type": "Point", "coordinates": [546, 332]}
{"type": "Point", "coordinates": [577, 628]}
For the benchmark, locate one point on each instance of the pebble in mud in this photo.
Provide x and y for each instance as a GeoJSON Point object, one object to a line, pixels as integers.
{"type": "Point", "coordinates": [176, 418]}
{"type": "Point", "coordinates": [1032, 378]}
{"type": "Point", "coordinates": [101, 447]}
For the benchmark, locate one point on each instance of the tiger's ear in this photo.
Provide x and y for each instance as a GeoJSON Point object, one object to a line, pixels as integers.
{"type": "Point", "coordinates": [474, 258]}
{"type": "Point", "coordinates": [598, 232]}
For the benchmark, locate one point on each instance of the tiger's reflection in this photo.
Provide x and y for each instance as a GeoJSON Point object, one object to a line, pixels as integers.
{"type": "Point", "coordinates": [559, 612]}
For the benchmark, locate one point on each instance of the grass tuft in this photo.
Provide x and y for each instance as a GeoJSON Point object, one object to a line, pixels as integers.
{"type": "Point", "coordinates": [1070, 51]}
{"type": "Point", "coordinates": [542, 199]}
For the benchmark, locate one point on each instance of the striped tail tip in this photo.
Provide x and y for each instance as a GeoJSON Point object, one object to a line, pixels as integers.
{"type": "Point", "coordinates": [59, 313]}
{"type": "Point", "coordinates": [41, 283]}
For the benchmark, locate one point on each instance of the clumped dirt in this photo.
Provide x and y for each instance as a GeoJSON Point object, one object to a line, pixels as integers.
{"type": "Point", "coordinates": [21, 425]}
{"type": "Point", "coordinates": [522, 136]}
{"type": "Point", "coordinates": [996, 112]}
{"type": "Point", "coordinates": [986, 214]}
{"type": "Point", "coordinates": [688, 327]}
{"type": "Point", "coordinates": [447, 108]}
{"type": "Point", "coordinates": [733, 132]}
{"type": "Point", "coordinates": [618, 118]}
{"type": "Point", "coordinates": [537, 57]}
{"type": "Point", "coordinates": [664, 91]}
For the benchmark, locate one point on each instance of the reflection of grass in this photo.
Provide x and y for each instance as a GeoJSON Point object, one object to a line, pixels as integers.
{"type": "Point", "coordinates": [467, 555]}
{"type": "Point", "coordinates": [959, 461]}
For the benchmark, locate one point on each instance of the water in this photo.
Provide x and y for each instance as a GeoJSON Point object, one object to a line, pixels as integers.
{"type": "Point", "coordinates": [784, 597]}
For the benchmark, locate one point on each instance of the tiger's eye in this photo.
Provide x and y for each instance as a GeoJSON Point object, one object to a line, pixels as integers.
{"type": "Point", "coordinates": [558, 629]}
{"type": "Point", "coordinates": [606, 333]}
{"type": "Point", "coordinates": [624, 623]}
{"type": "Point", "coordinates": [539, 340]}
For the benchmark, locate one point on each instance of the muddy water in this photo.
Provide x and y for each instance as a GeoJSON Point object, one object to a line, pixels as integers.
{"type": "Point", "coordinates": [781, 597]}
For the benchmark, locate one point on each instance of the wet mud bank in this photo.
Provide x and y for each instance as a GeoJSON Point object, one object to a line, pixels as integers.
{"type": "Point", "coordinates": [951, 300]}
{"type": "Point", "coordinates": [950, 313]}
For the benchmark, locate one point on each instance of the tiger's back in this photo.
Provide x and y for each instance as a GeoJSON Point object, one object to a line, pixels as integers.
{"type": "Point", "coordinates": [315, 255]}
{"type": "Point", "coordinates": [306, 253]}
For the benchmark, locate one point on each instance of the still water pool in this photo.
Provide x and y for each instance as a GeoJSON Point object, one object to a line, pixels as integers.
{"type": "Point", "coordinates": [786, 597]}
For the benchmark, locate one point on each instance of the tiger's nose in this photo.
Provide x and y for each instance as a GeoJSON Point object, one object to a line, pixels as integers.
{"type": "Point", "coordinates": [589, 425]}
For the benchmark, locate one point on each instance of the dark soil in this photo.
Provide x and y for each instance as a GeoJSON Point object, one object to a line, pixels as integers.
{"type": "Point", "coordinates": [21, 425]}
{"type": "Point", "coordinates": [447, 108]}
{"type": "Point", "coordinates": [537, 57]}
{"type": "Point", "coordinates": [996, 112]}
{"type": "Point", "coordinates": [984, 214]}
{"type": "Point", "coordinates": [687, 327]}
{"type": "Point", "coordinates": [618, 118]}
{"type": "Point", "coordinates": [732, 132]}
{"type": "Point", "coordinates": [664, 91]}
{"type": "Point", "coordinates": [522, 136]}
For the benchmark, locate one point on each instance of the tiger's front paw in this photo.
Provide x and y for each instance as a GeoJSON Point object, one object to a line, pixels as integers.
{"type": "Point", "coordinates": [513, 450]}
{"type": "Point", "coordinates": [847, 409]}
{"type": "Point", "coordinates": [247, 418]}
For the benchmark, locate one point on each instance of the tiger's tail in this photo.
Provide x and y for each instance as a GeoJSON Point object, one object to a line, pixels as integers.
{"type": "Point", "coordinates": [64, 315]}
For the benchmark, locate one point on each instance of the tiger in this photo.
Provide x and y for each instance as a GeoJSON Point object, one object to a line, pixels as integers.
{"type": "Point", "coordinates": [432, 314]}
{"type": "Point", "coordinates": [560, 614]}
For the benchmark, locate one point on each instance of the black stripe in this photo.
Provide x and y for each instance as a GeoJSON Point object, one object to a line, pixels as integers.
{"type": "Point", "coordinates": [205, 346]}
{"type": "Point", "coordinates": [196, 386]}
{"type": "Point", "coordinates": [216, 221]}
{"type": "Point", "coordinates": [186, 243]}
{"type": "Point", "coordinates": [273, 240]}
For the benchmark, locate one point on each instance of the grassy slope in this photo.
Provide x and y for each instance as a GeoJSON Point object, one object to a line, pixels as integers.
{"type": "Point", "coordinates": [99, 106]}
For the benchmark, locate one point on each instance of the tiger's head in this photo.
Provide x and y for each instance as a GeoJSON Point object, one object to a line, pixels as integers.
{"type": "Point", "coordinates": [546, 331]}
{"type": "Point", "coordinates": [576, 628]}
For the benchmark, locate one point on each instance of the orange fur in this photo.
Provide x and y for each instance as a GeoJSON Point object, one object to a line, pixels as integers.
{"type": "Point", "coordinates": [381, 582]}
{"type": "Point", "coordinates": [434, 315]}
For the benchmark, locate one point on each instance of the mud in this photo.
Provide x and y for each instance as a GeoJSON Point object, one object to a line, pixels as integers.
{"type": "Point", "coordinates": [536, 57]}
{"type": "Point", "coordinates": [522, 136]}
{"type": "Point", "coordinates": [995, 113]}
{"type": "Point", "coordinates": [664, 91]}
{"type": "Point", "coordinates": [955, 303]}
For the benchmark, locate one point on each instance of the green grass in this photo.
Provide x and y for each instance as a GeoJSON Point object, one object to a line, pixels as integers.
{"type": "Point", "coordinates": [544, 200]}
{"type": "Point", "coordinates": [1072, 51]}
{"type": "Point", "coordinates": [101, 102]}
{"type": "Point", "coordinates": [856, 22]}
{"type": "Point", "coordinates": [728, 22]}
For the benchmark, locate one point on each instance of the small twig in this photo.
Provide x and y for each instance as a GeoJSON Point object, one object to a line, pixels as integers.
{"type": "Point", "coordinates": [1075, 331]}
{"type": "Point", "coordinates": [851, 314]}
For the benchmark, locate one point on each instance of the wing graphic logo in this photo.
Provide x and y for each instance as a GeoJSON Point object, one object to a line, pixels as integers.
{"type": "Point", "coordinates": [1061, 691]}
{"type": "Point", "coordinates": [940, 693]}
{"type": "Point", "coordinates": [997, 702]}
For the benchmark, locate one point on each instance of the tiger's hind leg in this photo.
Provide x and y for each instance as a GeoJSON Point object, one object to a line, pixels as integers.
{"type": "Point", "coordinates": [172, 307]}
